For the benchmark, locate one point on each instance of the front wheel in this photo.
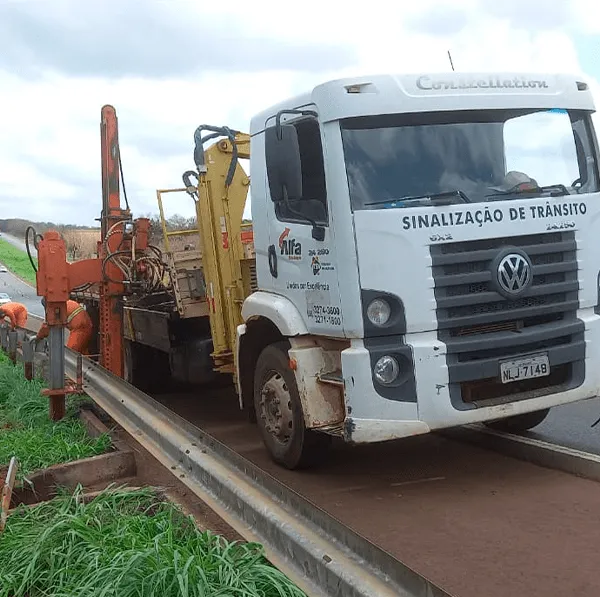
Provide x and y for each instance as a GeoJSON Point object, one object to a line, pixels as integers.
{"type": "Point", "coordinates": [279, 412]}
{"type": "Point", "coordinates": [519, 423]}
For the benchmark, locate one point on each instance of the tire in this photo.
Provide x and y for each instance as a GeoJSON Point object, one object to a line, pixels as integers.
{"type": "Point", "coordinates": [519, 423]}
{"type": "Point", "coordinates": [132, 365]}
{"type": "Point", "coordinates": [281, 426]}
{"type": "Point", "coordinates": [146, 368]}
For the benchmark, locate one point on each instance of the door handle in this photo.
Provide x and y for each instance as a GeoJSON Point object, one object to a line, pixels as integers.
{"type": "Point", "coordinates": [272, 261]}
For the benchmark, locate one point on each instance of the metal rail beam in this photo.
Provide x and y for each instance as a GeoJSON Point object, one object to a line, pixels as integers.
{"type": "Point", "coordinates": [536, 451]}
{"type": "Point", "coordinates": [320, 554]}
{"type": "Point", "coordinates": [317, 552]}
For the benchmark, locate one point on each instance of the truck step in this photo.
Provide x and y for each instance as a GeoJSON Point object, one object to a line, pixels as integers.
{"type": "Point", "coordinates": [334, 378]}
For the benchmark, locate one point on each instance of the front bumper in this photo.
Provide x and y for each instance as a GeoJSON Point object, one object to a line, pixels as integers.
{"type": "Point", "coordinates": [427, 399]}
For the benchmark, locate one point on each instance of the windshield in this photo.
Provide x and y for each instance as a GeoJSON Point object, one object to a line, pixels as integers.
{"type": "Point", "coordinates": [484, 155]}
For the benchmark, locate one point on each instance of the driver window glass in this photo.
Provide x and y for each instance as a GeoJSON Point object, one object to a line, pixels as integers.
{"type": "Point", "coordinates": [542, 145]}
{"type": "Point", "coordinates": [313, 204]}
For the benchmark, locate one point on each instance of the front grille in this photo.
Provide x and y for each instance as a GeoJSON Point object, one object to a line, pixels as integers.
{"type": "Point", "coordinates": [480, 327]}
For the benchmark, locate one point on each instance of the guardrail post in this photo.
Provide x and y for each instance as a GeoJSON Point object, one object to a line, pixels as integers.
{"type": "Point", "coordinates": [79, 381]}
{"type": "Point", "coordinates": [57, 372]}
{"type": "Point", "coordinates": [21, 336]}
{"type": "Point", "coordinates": [12, 345]}
{"type": "Point", "coordinates": [4, 336]}
{"type": "Point", "coordinates": [28, 352]}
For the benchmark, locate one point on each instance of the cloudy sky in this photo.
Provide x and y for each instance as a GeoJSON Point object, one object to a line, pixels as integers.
{"type": "Point", "coordinates": [170, 65]}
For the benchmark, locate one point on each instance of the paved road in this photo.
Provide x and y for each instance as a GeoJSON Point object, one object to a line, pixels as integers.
{"type": "Point", "coordinates": [21, 293]}
{"type": "Point", "coordinates": [18, 242]}
{"type": "Point", "coordinates": [14, 287]}
{"type": "Point", "coordinates": [570, 425]}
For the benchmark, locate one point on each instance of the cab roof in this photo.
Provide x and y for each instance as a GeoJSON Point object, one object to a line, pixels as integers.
{"type": "Point", "coordinates": [430, 92]}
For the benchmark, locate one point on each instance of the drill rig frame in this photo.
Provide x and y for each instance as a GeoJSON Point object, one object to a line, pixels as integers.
{"type": "Point", "coordinates": [125, 263]}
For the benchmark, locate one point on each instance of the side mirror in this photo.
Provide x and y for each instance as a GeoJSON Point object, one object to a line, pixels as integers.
{"type": "Point", "coordinates": [284, 168]}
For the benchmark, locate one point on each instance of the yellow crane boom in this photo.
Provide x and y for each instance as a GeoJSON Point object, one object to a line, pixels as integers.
{"type": "Point", "coordinates": [215, 274]}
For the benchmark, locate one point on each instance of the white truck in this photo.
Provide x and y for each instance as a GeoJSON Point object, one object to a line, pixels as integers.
{"type": "Point", "coordinates": [426, 245]}
{"type": "Point", "coordinates": [425, 258]}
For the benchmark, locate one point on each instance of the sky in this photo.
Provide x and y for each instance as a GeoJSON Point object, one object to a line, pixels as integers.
{"type": "Point", "coordinates": [170, 65]}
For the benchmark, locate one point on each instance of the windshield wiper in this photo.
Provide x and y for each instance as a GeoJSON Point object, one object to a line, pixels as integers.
{"type": "Point", "coordinates": [446, 198]}
{"type": "Point", "coordinates": [555, 190]}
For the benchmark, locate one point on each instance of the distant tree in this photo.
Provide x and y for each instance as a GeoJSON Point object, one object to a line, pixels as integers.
{"type": "Point", "coordinates": [81, 244]}
{"type": "Point", "coordinates": [17, 227]}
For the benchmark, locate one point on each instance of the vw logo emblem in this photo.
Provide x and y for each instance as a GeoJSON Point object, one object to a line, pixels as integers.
{"type": "Point", "coordinates": [514, 274]}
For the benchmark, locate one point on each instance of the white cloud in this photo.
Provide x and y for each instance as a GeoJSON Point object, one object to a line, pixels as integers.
{"type": "Point", "coordinates": [50, 154]}
{"type": "Point", "coordinates": [586, 15]}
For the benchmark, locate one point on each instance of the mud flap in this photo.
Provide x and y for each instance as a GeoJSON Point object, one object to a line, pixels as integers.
{"type": "Point", "coordinates": [322, 403]}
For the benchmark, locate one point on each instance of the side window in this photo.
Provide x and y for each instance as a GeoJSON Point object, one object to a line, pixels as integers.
{"type": "Point", "coordinates": [313, 204]}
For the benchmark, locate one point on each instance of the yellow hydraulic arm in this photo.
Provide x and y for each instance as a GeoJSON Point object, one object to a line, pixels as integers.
{"type": "Point", "coordinates": [220, 196]}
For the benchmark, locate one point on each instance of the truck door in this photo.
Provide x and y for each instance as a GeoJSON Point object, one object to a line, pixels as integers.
{"type": "Point", "coordinates": [306, 268]}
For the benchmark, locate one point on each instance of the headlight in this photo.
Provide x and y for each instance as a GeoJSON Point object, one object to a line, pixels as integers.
{"type": "Point", "coordinates": [386, 370]}
{"type": "Point", "coordinates": [379, 312]}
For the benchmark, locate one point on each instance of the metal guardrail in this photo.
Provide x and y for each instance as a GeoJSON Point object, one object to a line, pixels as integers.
{"type": "Point", "coordinates": [12, 340]}
{"type": "Point", "coordinates": [316, 551]}
{"type": "Point", "coordinates": [319, 553]}
{"type": "Point", "coordinates": [529, 449]}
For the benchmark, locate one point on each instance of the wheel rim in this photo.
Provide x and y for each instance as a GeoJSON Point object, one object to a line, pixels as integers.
{"type": "Point", "coordinates": [276, 407]}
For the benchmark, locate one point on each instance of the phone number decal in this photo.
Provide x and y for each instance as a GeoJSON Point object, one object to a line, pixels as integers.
{"type": "Point", "coordinates": [328, 314]}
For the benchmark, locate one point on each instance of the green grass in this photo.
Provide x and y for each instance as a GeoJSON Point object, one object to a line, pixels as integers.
{"type": "Point", "coordinates": [127, 544]}
{"type": "Point", "coordinates": [27, 432]}
{"type": "Point", "coordinates": [17, 261]}
{"type": "Point", "coordinates": [120, 544]}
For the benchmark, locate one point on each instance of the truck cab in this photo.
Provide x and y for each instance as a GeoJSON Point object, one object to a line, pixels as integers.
{"type": "Point", "coordinates": [425, 258]}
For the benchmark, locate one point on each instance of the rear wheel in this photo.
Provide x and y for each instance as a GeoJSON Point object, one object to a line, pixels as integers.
{"type": "Point", "coordinates": [519, 423]}
{"type": "Point", "coordinates": [279, 412]}
{"type": "Point", "coordinates": [146, 368]}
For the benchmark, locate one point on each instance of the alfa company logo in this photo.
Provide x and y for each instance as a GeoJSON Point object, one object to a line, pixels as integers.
{"type": "Point", "coordinates": [289, 247]}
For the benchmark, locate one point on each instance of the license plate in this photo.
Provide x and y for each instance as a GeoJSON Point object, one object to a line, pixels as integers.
{"type": "Point", "coordinates": [525, 368]}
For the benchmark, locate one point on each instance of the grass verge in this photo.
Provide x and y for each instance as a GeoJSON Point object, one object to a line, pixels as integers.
{"type": "Point", "coordinates": [126, 544]}
{"type": "Point", "coordinates": [17, 261]}
{"type": "Point", "coordinates": [27, 432]}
